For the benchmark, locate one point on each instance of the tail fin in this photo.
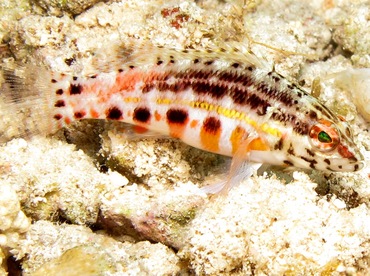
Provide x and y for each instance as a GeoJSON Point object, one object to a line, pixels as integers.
{"type": "Point", "coordinates": [25, 102]}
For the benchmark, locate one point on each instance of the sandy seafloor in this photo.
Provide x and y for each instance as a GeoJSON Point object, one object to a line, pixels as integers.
{"type": "Point", "coordinates": [86, 201]}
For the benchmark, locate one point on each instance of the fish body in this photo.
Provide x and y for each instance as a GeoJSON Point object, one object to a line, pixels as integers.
{"type": "Point", "coordinates": [222, 102]}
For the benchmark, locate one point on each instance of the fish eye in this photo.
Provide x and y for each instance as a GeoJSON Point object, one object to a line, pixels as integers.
{"type": "Point", "coordinates": [324, 136]}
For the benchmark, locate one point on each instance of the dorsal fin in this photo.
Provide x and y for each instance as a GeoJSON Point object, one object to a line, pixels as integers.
{"type": "Point", "coordinates": [136, 53]}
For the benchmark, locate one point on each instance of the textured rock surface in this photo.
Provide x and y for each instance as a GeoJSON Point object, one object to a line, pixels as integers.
{"type": "Point", "coordinates": [142, 191]}
{"type": "Point", "coordinates": [54, 181]}
{"type": "Point", "coordinates": [13, 222]}
{"type": "Point", "coordinates": [59, 7]}
{"type": "Point", "coordinates": [269, 234]}
{"type": "Point", "coordinates": [351, 24]}
{"type": "Point", "coordinates": [74, 250]}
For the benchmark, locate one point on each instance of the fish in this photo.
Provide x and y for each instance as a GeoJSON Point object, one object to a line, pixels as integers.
{"type": "Point", "coordinates": [225, 100]}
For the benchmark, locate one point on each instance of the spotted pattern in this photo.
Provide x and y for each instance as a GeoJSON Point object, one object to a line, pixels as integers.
{"type": "Point", "coordinates": [177, 120]}
{"type": "Point", "coordinates": [75, 89]}
{"type": "Point", "coordinates": [114, 113]}
{"type": "Point", "coordinates": [279, 145]}
{"type": "Point", "coordinates": [79, 114]}
{"type": "Point", "coordinates": [312, 162]}
{"type": "Point", "coordinates": [142, 114]}
{"type": "Point", "coordinates": [212, 125]}
{"type": "Point", "coordinates": [58, 117]}
{"type": "Point", "coordinates": [59, 92]}
{"type": "Point", "coordinates": [224, 105]}
{"type": "Point", "coordinates": [240, 87]}
{"type": "Point", "coordinates": [210, 134]}
{"type": "Point", "coordinates": [59, 103]}
{"type": "Point", "coordinates": [310, 152]}
{"type": "Point", "coordinates": [176, 116]}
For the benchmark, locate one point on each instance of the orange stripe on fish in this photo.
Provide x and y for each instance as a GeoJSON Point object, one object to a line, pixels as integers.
{"type": "Point", "coordinates": [177, 120]}
{"type": "Point", "coordinates": [258, 144]}
{"type": "Point", "coordinates": [237, 137]}
{"type": "Point", "coordinates": [210, 134]}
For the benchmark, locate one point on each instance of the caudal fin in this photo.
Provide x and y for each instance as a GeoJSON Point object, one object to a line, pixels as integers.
{"type": "Point", "coordinates": [25, 103]}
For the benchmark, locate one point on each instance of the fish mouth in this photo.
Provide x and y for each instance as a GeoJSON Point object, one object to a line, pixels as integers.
{"type": "Point", "coordinates": [359, 161]}
{"type": "Point", "coordinates": [351, 163]}
{"type": "Point", "coordinates": [353, 166]}
{"type": "Point", "coordinates": [329, 165]}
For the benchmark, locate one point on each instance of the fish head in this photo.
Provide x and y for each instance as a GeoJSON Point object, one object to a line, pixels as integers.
{"type": "Point", "coordinates": [328, 146]}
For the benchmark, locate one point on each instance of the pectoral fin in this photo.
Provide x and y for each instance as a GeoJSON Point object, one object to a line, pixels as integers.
{"type": "Point", "coordinates": [241, 167]}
